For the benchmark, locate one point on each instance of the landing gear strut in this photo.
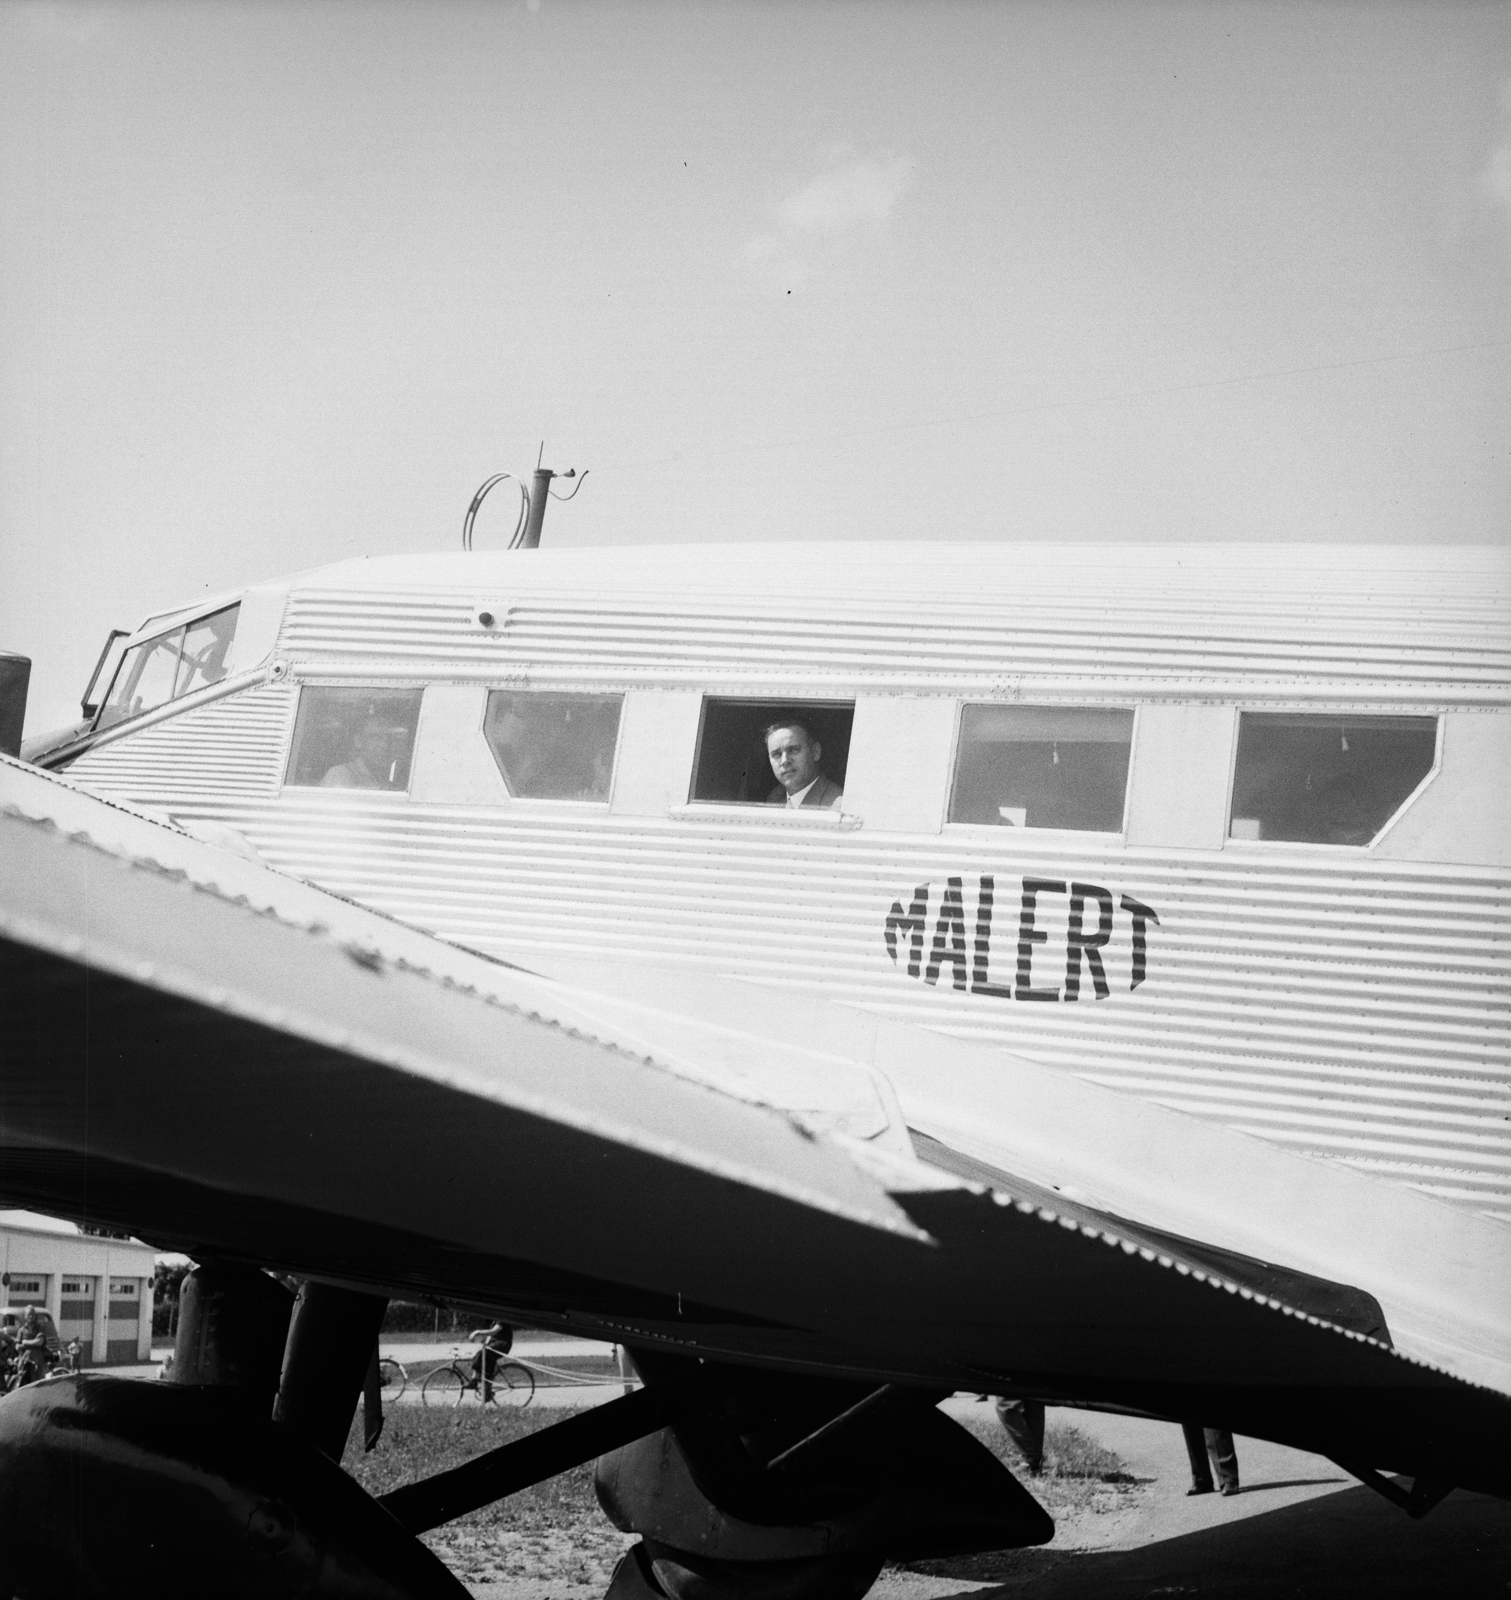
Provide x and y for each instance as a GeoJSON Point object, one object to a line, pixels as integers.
{"type": "Point", "coordinates": [742, 1485]}
{"type": "Point", "coordinates": [111, 1485]}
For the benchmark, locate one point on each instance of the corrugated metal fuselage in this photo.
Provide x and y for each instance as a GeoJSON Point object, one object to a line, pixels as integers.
{"type": "Point", "coordinates": [1345, 1002]}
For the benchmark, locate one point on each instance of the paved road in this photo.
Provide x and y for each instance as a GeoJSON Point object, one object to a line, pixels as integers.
{"type": "Point", "coordinates": [1301, 1527]}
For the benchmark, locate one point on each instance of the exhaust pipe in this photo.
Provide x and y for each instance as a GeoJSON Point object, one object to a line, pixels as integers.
{"type": "Point", "coordinates": [15, 677]}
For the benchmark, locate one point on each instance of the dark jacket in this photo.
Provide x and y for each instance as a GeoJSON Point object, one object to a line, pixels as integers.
{"type": "Point", "coordinates": [825, 792]}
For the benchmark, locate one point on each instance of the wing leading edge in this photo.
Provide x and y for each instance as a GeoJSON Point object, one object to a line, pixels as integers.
{"type": "Point", "coordinates": [311, 1091]}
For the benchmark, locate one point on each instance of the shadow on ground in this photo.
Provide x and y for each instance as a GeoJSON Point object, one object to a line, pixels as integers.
{"type": "Point", "coordinates": [1344, 1545]}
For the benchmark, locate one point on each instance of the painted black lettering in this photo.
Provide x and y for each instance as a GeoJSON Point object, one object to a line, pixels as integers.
{"type": "Point", "coordinates": [1089, 945]}
{"type": "Point", "coordinates": [982, 953]}
{"type": "Point", "coordinates": [1029, 936]}
{"type": "Point", "coordinates": [951, 927]}
{"type": "Point", "coordinates": [1142, 916]}
{"type": "Point", "coordinates": [912, 923]}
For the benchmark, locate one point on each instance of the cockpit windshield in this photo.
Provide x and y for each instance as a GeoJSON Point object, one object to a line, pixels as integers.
{"type": "Point", "coordinates": [174, 663]}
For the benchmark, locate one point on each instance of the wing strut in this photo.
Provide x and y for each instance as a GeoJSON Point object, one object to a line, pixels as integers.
{"type": "Point", "coordinates": [1417, 1501]}
{"type": "Point", "coordinates": [512, 1467]}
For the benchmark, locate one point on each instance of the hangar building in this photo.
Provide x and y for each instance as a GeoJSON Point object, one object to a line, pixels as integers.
{"type": "Point", "coordinates": [99, 1291]}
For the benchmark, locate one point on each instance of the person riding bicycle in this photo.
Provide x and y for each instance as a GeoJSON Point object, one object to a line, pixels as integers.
{"type": "Point", "coordinates": [493, 1344]}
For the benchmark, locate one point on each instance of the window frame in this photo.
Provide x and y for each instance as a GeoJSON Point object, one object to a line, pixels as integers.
{"type": "Point", "coordinates": [371, 686]}
{"type": "Point", "coordinates": [147, 635]}
{"type": "Point", "coordinates": [996, 829]}
{"type": "Point", "coordinates": [753, 809]}
{"type": "Point", "coordinates": [512, 799]}
{"type": "Point", "coordinates": [1440, 718]}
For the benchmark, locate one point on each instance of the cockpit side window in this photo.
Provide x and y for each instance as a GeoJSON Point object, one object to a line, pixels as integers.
{"type": "Point", "coordinates": [145, 678]}
{"type": "Point", "coordinates": [1042, 767]}
{"type": "Point", "coordinates": [206, 645]}
{"type": "Point", "coordinates": [174, 663]}
{"type": "Point", "coordinates": [551, 746]}
{"type": "Point", "coordinates": [1318, 779]}
{"type": "Point", "coordinates": [354, 738]}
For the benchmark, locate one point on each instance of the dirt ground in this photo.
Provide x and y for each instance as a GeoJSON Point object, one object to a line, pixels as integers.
{"type": "Point", "coordinates": [1300, 1528]}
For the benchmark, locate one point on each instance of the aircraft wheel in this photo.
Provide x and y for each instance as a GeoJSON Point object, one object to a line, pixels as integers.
{"type": "Point", "coordinates": [444, 1387]}
{"type": "Point", "coordinates": [683, 1576]}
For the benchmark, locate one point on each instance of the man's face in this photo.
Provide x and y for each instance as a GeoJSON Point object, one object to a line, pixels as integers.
{"type": "Point", "coordinates": [379, 744]}
{"type": "Point", "coordinates": [794, 757]}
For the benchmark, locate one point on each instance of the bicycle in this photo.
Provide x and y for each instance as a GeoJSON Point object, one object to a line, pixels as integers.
{"type": "Point", "coordinates": [393, 1380]}
{"type": "Point", "coordinates": [510, 1384]}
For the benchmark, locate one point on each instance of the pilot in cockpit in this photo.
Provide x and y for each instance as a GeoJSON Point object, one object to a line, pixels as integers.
{"type": "Point", "coordinates": [795, 756]}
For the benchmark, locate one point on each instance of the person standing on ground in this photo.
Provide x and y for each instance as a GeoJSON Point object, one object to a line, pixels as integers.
{"type": "Point", "coordinates": [31, 1349]}
{"type": "Point", "coordinates": [1023, 1421]}
{"type": "Point", "coordinates": [1218, 1444]}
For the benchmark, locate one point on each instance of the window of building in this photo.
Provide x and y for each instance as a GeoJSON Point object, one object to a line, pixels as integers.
{"type": "Point", "coordinates": [1310, 779]}
{"type": "Point", "coordinates": [732, 764]}
{"type": "Point", "coordinates": [354, 738]}
{"type": "Point", "coordinates": [554, 746]}
{"type": "Point", "coordinates": [27, 1290]}
{"type": "Point", "coordinates": [1042, 767]}
{"type": "Point", "coordinates": [174, 663]}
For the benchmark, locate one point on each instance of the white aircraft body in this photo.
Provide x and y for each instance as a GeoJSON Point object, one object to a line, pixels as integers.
{"type": "Point", "coordinates": [1164, 908]}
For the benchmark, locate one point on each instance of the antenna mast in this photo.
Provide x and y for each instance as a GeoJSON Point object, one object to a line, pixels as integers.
{"type": "Point", "coordinates": [532, 511]}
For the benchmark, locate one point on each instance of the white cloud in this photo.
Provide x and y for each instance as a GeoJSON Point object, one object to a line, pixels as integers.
{"type": "Point", "coordinates": [861, 191]}
{"type": "Point", "coordinates": [852, 193]}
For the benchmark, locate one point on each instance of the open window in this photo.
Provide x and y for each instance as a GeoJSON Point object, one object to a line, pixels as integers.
{"type": "Point", "coordinates": [1042, 767]}
{"type": "Point", "coordinates": [174, 663]}
{"type": "Point", "coordinates": [1317, 779]}
{"type": "Point", "coordinates": [732, 764]}
{"type": "Point", "coordinates": [354, 738]}
{"type": "Point", "coordinates": [552, 746]}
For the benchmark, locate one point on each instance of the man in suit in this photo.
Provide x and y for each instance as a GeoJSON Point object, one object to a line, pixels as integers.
{"type": "Point", "coordinates": [795, 755]}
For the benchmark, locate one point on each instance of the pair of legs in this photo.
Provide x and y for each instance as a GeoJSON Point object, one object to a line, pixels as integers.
{"type": "Point", "coordinates": [484, 1365]}
{"type": "Point", "coordinates": [1024, 1422]}
{"type": "Point", "coordinates": [1218, 1444]}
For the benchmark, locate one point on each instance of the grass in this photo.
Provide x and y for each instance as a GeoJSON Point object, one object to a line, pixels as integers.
{"type": "Point", "coordinates": [553, 1531]}
{"type": "Point", "coordinates": [555, 1534]}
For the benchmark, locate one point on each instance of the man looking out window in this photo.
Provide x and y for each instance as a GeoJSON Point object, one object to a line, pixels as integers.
{"type": "Point", "coordinates": [795, 756]}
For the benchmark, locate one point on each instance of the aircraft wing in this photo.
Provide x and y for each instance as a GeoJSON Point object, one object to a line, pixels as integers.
{"type": "Point", "coordinates": [238, 1065]}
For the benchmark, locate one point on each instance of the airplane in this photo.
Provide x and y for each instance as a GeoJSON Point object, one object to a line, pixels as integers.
{"type": "Point", "coordinates": [1129, 1034]}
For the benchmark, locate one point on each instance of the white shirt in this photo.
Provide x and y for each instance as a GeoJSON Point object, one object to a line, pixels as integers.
{"type": "Point", "coordinates": [797, 799]}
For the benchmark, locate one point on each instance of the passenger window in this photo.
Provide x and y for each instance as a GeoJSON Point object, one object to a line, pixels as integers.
{"type": "Point", "coordinates": [1042, 767]}
{"type": "Point", "coordinates": [733, 762]}
{"type": "Point", "coordinates": [554, 746]}
{"type": "Point", "coordinates": [159, 670]}
{"type": "Point", "coordinates": [354, 738]}
{"type": "Point", "coordinates": [1326, 780]}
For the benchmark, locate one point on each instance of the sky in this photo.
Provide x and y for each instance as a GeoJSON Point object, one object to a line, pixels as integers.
{"type": "Point", "coordinates": [281, 284]}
